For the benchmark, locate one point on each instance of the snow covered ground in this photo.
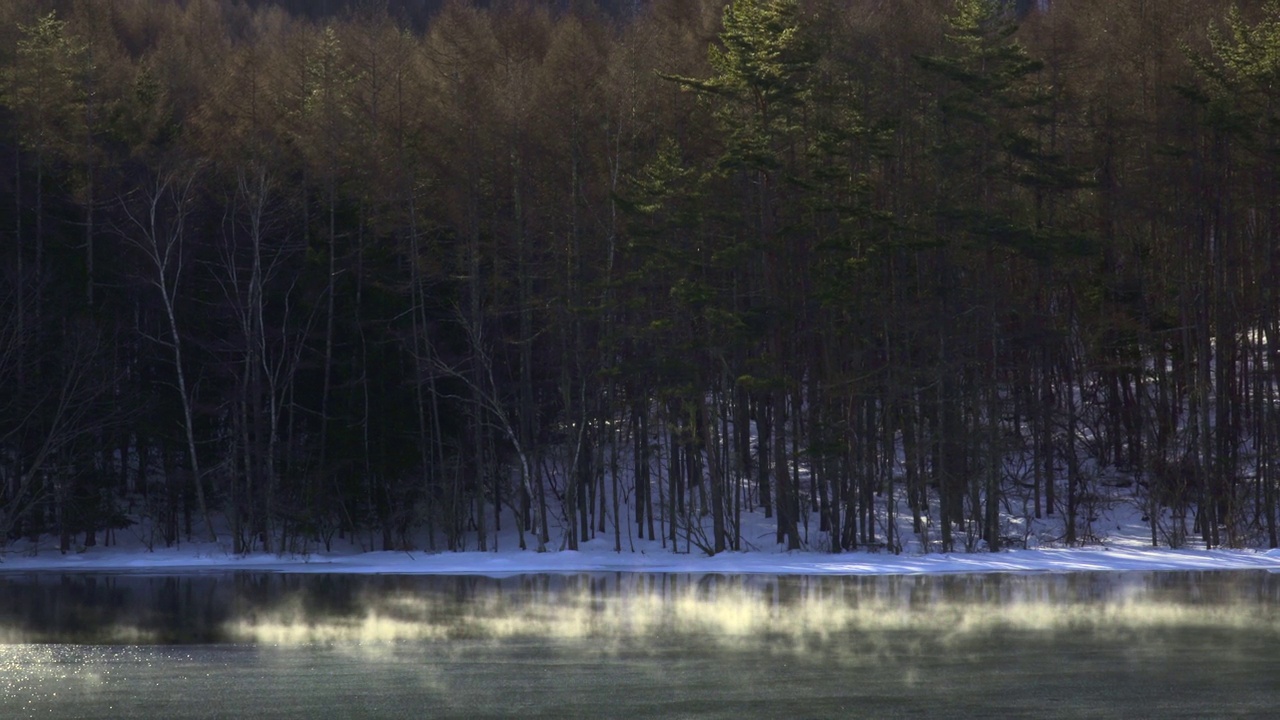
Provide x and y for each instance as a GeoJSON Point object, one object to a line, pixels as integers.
{"type": "Point", "coordinates": [195, 558]}
{"type": "Point", "coordinates": [1112, 534]}
{"type": "Point", "coordinates": [1116, 538]}
{"type": "Point", "coordinates": [1121, 552]}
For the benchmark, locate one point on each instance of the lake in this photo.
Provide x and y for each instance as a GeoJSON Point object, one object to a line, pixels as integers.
{"type": "Point", "coordinates": [633, 645]}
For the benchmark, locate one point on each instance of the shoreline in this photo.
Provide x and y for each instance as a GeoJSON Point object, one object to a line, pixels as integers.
{"type": "Point", "coordinates": [206, 558]}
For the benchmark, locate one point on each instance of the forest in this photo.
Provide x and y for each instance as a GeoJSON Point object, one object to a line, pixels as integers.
{"type": "Point", "coordinates": [646, 267]}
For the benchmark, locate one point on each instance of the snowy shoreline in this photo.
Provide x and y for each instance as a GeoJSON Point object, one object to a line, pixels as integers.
{"type": "Point", "coordinates": [212, 558]}
{"type": "Point", "coordinates": [1126, 548]}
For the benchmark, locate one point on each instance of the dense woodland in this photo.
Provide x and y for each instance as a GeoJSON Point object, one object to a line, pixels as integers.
{"type": "Point", "coordinates": [638, 270]}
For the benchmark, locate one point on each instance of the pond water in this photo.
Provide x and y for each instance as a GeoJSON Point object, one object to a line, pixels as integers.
{"type": "Point", "coordinates": [240, 645]}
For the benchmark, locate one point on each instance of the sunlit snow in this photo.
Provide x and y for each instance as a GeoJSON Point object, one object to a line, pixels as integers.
{"type": "Point", "coordinates": [599, 556]}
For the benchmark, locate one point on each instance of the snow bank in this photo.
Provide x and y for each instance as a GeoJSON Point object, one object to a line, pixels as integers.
{"type": "Point", "coordinates": [197, 558]}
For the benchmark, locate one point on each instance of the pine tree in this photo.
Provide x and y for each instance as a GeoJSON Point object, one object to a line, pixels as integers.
{"type": "Point", "coordinates": [757, 93]}
{"type": "Point", "coordinates": [994, 170]}
{"type": "Point", "coordinates": [1237, 156]}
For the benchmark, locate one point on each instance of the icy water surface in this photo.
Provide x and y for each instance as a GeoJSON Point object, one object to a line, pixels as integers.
{"type": "Point", "coordinates": [1156, 644]}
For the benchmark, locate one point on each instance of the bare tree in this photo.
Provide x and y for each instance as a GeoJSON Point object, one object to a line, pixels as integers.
{"type": "Point", "coordinates": [479, 379]}
{"type": "Point", "coordinates": [154, 220]}
{"type": "Point", "coordinates": [74, 403]}
{"type": "Point", "coordinates": [268, 355]}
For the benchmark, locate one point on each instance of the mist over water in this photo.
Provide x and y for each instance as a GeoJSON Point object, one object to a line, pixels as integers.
{"type": "Point", "coordinates": [793, 613]}
{"type": "Point", "coordinates": [588, 645]}
{"type": "Point", "coordinates": [292, 610]}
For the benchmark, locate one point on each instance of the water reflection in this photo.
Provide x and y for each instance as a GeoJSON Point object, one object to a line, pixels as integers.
{"type": "Point", "coordinates": [272, 609]}
{"type": "Point", "coordinates": [635, 645]}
